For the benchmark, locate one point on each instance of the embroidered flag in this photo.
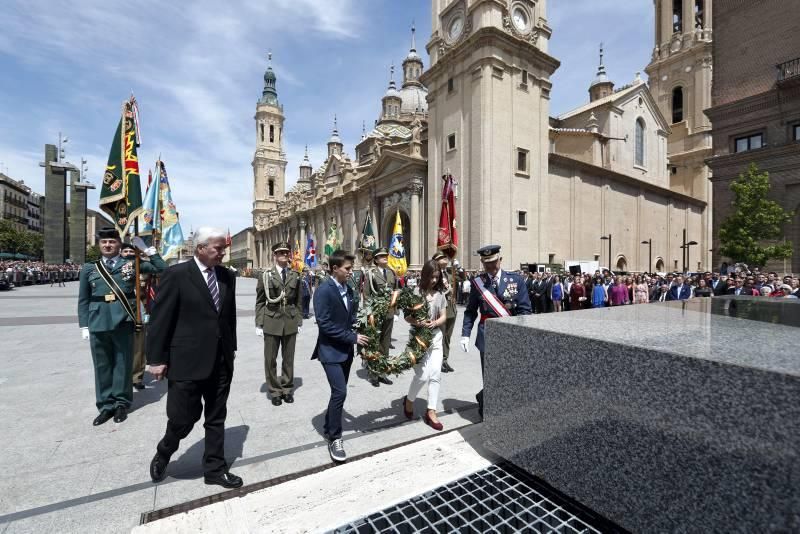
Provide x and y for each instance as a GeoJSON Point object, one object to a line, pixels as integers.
{"type": "Point", "coordinates": [397, 251]}
{"type": "Point", "coordinates": [311, 252]}
{"type": "Point", "coordinates": [447, 238]}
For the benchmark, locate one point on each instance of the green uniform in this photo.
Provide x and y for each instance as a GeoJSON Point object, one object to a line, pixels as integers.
{"type": "Point", "coordinates": [110, 329]}
{"type": "Point", "coordinates": [452, 313]}
{"type": "Point", "coordinates": [279, 320]}
{"type": "Point", "coordinates": [139, 360]}
{"type": "Point", "coordinates": [377, 280]}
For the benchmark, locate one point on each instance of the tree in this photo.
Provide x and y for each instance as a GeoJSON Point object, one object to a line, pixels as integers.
{"type": "Point", "coordinates": [755, 221]}
{"type": "Point", "coordinates": [92, 253]}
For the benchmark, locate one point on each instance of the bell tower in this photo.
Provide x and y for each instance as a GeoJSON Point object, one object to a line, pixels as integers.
{"type": "Point", "coordinates": [679, 76]}
{"type": "Point", "coordinates": [488, 123]}
{"type": "Point", "coordinates": [269, 161]}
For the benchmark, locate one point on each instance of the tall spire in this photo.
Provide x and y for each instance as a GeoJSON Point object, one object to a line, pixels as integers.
{"type": "Point", "coordinates": [270, 93]}
{"type": "Point", "coordinates": [413, 36]}
{"type": "Point", "coordinates": [335, 134]}
{"type": "Point", "coordinates": [363, 130]}
{"type": "Point", "coordinates": [601, 86]}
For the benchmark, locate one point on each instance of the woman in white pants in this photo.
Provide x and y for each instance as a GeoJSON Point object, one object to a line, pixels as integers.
{"type": "Point", "coordinates": [429, 369]}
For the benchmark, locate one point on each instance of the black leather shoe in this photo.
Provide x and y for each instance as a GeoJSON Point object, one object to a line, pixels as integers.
{"type": "Point", "coordinates": [288, 397]}
{"type": "Point", "coordinates": [446, 368]}
{"type": "Point", "coordinates": [384, 380]}
{"type": "Point", "coordinates": [139, 385]}
{"type": "Point", "coordinates": [375, 382]}
{"type": "Point", "coordinates": [104, 416]}
{"type": "Point", "coordinates": [479, 398]}
{"type": "Point", "coordinates": [226, 480]}
{"type": "Point", "coordinates": [158, 468]}
{"type": "Point", "coordinates": [276, 401]}
{"type": "Point", "coordinates": [120, 414]}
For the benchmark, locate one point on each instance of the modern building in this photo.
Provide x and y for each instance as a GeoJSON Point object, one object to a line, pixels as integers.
{"type": "Point", "coordinates": [14, 197]}
{"type": "Point", "coordinates": [546, 189]}
{"type": "Point", "coordinates": [755, 106]}
{"type": "Point", "coordinates": [35, 212]}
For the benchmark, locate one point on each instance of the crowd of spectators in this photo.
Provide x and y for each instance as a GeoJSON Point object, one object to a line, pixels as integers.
{"type": "Point", "coordinates": [26, 272]}
{"type": "Point", "coordinates": [551, 293]}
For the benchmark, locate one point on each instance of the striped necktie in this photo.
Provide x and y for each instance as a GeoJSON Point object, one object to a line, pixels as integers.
{"type": "Point", "coordinates": [212, 287]}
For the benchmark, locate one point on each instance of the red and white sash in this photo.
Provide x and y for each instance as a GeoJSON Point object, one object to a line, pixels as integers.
{"type": "Point", "coordinates": [491, 299]}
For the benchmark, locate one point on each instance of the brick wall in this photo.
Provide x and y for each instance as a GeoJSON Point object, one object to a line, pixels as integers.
{"type": "Point", "coordinates": [750, 38]}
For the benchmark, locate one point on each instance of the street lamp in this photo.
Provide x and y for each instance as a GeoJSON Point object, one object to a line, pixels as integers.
{"type": "Point", "coordinates": [685, 247]}
{"type": "Point", "coordinates": [604, 238]}
{"type": "Point", "coordinates": [649, 244]}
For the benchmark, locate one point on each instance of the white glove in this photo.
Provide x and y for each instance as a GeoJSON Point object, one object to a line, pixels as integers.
{"type": "Point", "coordinates": [138, 242]}
{"type": "Point", "coordinates": [465, 343]}
{"type": "Point", "coordinates": [299, 329]}
{"type": "Point", "coordinates": [84, 333]}
{"type": "Point", "coordinates": [259, 332]}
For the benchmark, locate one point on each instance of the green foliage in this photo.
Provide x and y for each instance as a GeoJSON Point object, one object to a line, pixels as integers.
{"type": "Point", "coordinates": [92, 253]}
{"type": "Point", "coordinates": [20, 241]}
{"type": "Point", "coordinates": [754, 222]}
{"type": "Point", "coordinates": [370, 318]}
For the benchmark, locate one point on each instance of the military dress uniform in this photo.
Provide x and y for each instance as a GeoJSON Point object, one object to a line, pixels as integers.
{"type": "Point", "coordinates": [279, 314]}
{"type": "Point", "coordinates": [139, 360]}
{"type": "Point", "coordinates": [110, 327]}
{"type": "Point", "coordinates": [451, 313]}
{"type": "Point", "coordinates": [378, 279]}
{"type": "Point", "coordinates": [509, 288]}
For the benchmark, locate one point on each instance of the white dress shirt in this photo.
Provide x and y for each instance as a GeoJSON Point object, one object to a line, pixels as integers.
{"type": "Point", "coordinates": [342, 292]}
{"type": "Point", "coordinates": [203, 267]}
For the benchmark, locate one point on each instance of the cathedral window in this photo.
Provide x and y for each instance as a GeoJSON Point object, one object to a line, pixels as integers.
{"type": "Point", "coordinates": [677, 105]}
{"type": "Point", "coordinates": [639, 143]}
{"type": "Point", "coordinates": [450, 85]}
{"type": "Point", "coordinates": [677, 16]}
{"type": "Point", "coordinates": [271, 133]}
{"type": "Point", "coordinates": [451, 142]}
{"type": "Point", "coordinates": [271, 188]}
{"type": "Point", "coordinates": [522, 160]}
{"type": "Point", "coordinates": [699, 15]}
{"type": "Point", "coordinates": [262, 132]}
{"type": "Point", "coordinates": [522, 218]}
{"type": "Point", "coordinates": [524, 82]}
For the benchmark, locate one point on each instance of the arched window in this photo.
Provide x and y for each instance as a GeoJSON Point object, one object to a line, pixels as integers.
{"type": "Point", "coordinates": [677, 16]}
{"type": "Point", "coordinates": [271, 133]}
{"type": "Point", "coordinates": [659, 265]}
{"type": "Point", "coordinates": [639, 143]}
{"type": "Point", "coordinates": [622, 264]}
{"type": "Point", "coordinates": [677, 104]}
{"type": "Point", "coordinates": [262, 132]}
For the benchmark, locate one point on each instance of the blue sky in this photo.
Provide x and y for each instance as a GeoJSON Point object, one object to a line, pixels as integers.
{"type": "Point", "coordinates": [197, 69]}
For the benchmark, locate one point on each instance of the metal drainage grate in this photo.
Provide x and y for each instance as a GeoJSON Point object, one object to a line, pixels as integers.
{"type": "Point", "coordinates": [501, 498]}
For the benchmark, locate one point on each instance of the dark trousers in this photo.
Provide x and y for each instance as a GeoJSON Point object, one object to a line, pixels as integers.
{"type": "Point", "coordinates": [185, 400]}
{"type": "Point", "coordinates": [283, 384]}
{"type": "Point", "coordinates": [306, 306]}
{"type": "Point", "coordinates": [338, 375]}
{"type": "Point", "coordinates": [447, 335]}
{"type": "Point", "coordinates": [112, 355]}
{"type": "Point", "coordinates": [139, 361]}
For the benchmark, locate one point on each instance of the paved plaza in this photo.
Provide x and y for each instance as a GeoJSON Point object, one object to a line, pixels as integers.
{"type": "Point", "coordinates": [61, 474]}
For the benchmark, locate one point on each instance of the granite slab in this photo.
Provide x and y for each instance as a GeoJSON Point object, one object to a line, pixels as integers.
{"type": "Point", "coordinates": [662, 417]}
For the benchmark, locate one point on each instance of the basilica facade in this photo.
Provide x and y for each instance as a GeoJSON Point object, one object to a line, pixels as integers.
{"type": "Point", "coordinates": [625, 165]}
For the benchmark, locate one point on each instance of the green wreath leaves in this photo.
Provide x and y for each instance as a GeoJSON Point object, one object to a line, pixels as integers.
{"type": "Point", "coordinates": [371, 316]}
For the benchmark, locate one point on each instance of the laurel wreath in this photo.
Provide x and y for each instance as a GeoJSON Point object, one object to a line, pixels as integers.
{"type": "Point", "coordinates": [379, 307]}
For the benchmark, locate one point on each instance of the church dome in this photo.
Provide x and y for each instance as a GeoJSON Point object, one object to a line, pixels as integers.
{"type": "Point", "coordinates": [414, 99]}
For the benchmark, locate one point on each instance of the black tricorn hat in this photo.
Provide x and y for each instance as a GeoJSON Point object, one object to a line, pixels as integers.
{"type": "Point", "coordinates": [127, 245]}
{"type": "Point", "coordinates": [108, 233]}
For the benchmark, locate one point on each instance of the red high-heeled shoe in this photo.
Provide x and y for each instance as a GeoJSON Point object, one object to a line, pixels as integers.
{"type": "Point", "coordinates": [409, 414]}
{"type": "Point", "coordinates": [430, 423]}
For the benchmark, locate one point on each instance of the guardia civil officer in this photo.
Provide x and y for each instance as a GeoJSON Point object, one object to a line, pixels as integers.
{"type": "Point", "coordinates": [379, 278]}
{"type": "Point", "coordinates": [128, 251]}
{"type": "Point", "coordinates": [450, 294]}
{"type": "Point", "coordinates": [278, 320]}
{"type": "Point", "coordinates": [495, 293]}
{"type": "Point", "coordinates": [107, 315]}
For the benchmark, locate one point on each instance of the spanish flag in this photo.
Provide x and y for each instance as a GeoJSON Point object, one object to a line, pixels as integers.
{"type": "Point", "coordinates": [397, 250]}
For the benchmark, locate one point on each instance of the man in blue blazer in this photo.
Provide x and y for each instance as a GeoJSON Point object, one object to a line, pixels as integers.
{"type": "Point", "coordinates": [679, 290]}
{"type": "Point", "coordinates": [335, 309]}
